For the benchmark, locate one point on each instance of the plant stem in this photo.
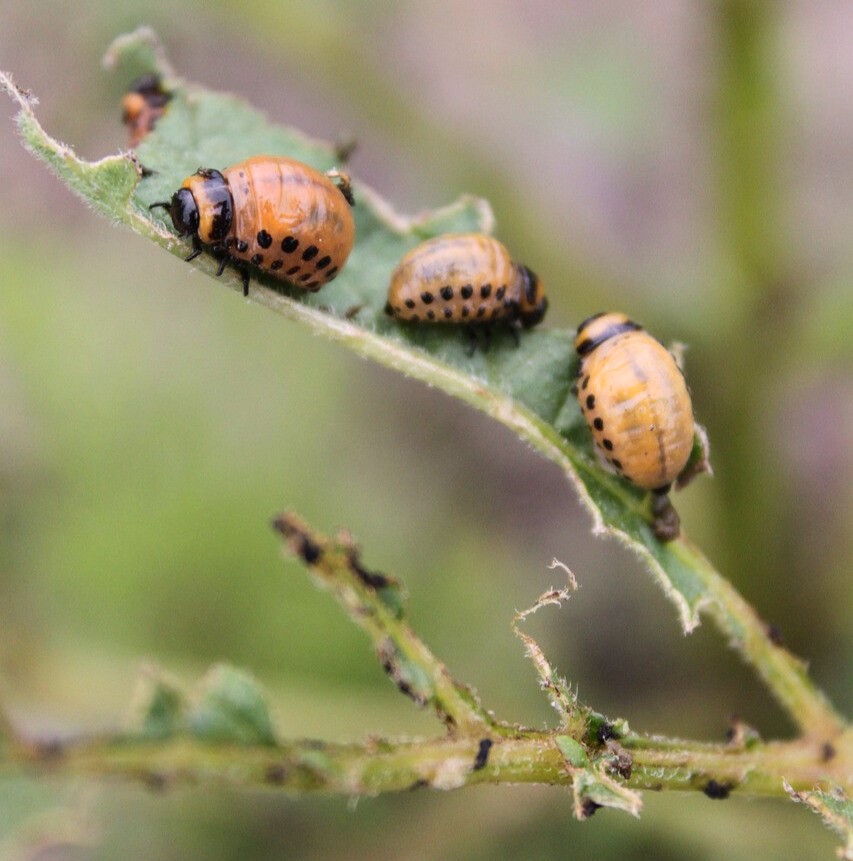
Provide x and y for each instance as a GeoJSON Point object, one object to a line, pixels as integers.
{"type": "Point", "coordinates": [378, 766]}
{"type": "Point", "coordinates": [374, 603]}
{"type": "Point", "coordinates": [784, 674]}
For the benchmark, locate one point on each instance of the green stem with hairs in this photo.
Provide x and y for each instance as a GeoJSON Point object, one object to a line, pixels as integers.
{"type": "Point", "coordinates": [374, 602]}
{"type": "Point", "coordinates": [604, 762]}
{"type": "Point", "coordinates": [377, 766]}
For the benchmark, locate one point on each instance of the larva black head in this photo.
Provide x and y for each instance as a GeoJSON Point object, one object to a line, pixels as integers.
{"type": "Point", "coordinates": [183, 211]}
{"type": "Point", "coordinates": [202, 206]}
{"type": "Point", "coordinates": [597, 329]}
{"type": "Point", "coordinates": [151, 87]}
{"type": "Point", "coordinates": [532, 302]}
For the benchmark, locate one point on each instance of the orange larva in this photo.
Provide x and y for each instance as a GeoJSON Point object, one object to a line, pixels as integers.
{"type": "Point", "coordinates": [466, 278]}
{"type": "Point", "coordinates": [143, 104]}
{"type": "Point", "coordinates": [275, 213]}
{"type": "Point", "coordinates": [635, 401]}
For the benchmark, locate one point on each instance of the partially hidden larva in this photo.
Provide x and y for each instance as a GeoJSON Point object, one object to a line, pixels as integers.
{"type": "Point", "coordinates": [143, 104]}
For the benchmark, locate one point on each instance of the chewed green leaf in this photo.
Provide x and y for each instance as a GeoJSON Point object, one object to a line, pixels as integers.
{"type": "Point", "coordinates": [592, 786]}
{"type": "Point", "coordinates": [836, 810]}
{"type": "Point", "coordinates": [107, 185]}
{"type": "Point", "coordinates": [137, 53]}
{"type": "Point", "coordinates": [158, 706]}
{"type": "Point", "coordinates": [526, 387]}
{"type": "Point", "coordinates": [232, 709]}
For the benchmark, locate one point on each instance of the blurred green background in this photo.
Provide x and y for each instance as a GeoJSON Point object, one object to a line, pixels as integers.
{"type": "Point", "coordinates": [687, 162]}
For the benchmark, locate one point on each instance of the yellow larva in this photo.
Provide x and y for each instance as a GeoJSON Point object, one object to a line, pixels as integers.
{"type": "Point", "coordinates": [464, 278]}
{"type": "Point", "coordinates": [635, 401]}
